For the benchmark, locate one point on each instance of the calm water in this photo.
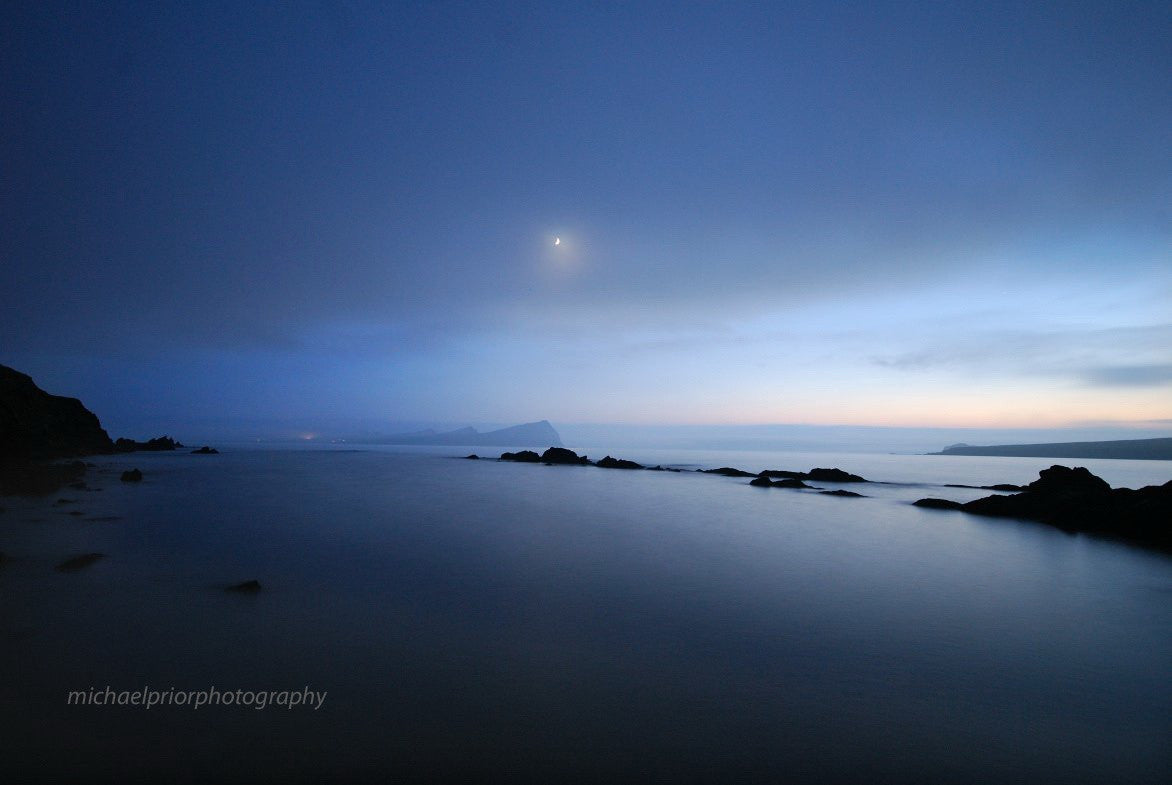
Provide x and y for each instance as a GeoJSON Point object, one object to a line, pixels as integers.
{"type": "Point", "coordinates": [493, 621]}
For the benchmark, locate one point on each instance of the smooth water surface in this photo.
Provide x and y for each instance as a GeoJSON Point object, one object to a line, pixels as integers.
{"type": "Point", "coordinates": [516, 622]}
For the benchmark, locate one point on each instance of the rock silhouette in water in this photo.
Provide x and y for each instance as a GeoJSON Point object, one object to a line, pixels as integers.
{"type": "Point", "coordinates": [247, 587]}
{"type": "Point", "coordinates": [1078, 501]}
{"type": "Point", "coordinates": [158, 444]}
{"type": "Point", "coordinates": [818, 475]}
{"type": "Point", "coordinates": [205, 450]}
{"type": "Point", "coordinates": [524, 456]}
{"type": "Point", "coordinates": [560, 455]}
{"type": "Point", "coordinates": [938, 504]}
{"type": "Point", "coordinates": [617, 463]}
{"type": "Point", "coordinates": [832, 475]}
{"type": "Point", "coordinates": [132, 475]}
{"type": "Point", "coordinates": [728, 471]}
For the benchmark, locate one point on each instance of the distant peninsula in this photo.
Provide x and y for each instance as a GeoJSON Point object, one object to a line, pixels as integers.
{"type": "Point", "coordinates": [1134, 449]}
{"type": "Point", "coordinates": [530, 433]}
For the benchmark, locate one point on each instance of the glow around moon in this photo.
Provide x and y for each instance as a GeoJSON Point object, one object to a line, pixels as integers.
{"type": "Point", "coordinates": [557, 241]}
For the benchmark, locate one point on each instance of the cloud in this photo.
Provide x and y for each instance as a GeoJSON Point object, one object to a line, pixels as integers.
{"type": "Point", "coordinates": [1129, 376]}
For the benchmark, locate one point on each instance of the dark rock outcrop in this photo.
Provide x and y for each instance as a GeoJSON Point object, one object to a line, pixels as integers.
{"type": "Point", "coordinates": [247, 587]}
{"type": "Point", "coordinates": [524, 456]}
{"type": "Point", "coordinates": [132, 475]}
{"type": "Point", "coordinates": [832, 475]}
{"type": "Point", "coordinates": [840, 492]}
{"type": "Point", "coordinates": [560, 455]}
{"type": "Point", "coordinates": [35, 424]}
{"type": "Point", "coordinates": [79, 562]}
{"type": "Point", "coordinates": [205, 450]}
{"type": "Point", "coordinates": [728, 471]}
{"type": "Point", "coordinates": [1078, 501]}
{"type": "Point", "coordinates": [761, 481]}
{"type": "Point", "coordinates": [937, 504]}
{"type": "Point", "coordinates": [818, 475]}
{"type": "Point", "coordinates": [617, 463]}
{"type": "Point", "coordinates": [472, 457]}
{"type": "Point", "coordinates": [789, 483]}
{"type": "Point", "coordinates": [158, 444]}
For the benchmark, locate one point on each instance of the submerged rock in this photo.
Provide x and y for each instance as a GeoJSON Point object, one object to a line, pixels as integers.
{"type": "Point", "coordinates": [205, 450]}
{"type": "Point", "coordinates": [560, 455]}
{"type": "Point", "coordinates": [473, 457]}
{"type": "Point", "coordinates": [937, 504]}
{"type": "Point", "coordinates": [247, 587]}
{"type": "Point", "coordinates": [79, 562]}
{"type": "Point", "coordinates": [818, 475]}
{"type": "Point", "coordinates": [525, 456]}
{"type": "Point", "coordinates": [832, 475]}
{"type": "Point", "coordinates": [728, 471]}
{"type": "Point", "coordinates": [617, 463]}
{"type": "Point", "coordinates": [761, 482]}
{"type": "Point", "coordinates": [782, 474]}
{"type": "Point", "coordinates": [132, 475]}
{"type": "Point", "coordinates": [840, 492]}
{"type": "Point", "coordinates": [790, 483]}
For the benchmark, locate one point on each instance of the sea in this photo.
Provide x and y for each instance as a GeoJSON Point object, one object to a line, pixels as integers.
{"type": "Point", "coordinates": [487, 621]}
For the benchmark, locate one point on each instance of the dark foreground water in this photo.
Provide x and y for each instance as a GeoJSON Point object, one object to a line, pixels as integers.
{"type": "Point", "coordinates": [499, 622]}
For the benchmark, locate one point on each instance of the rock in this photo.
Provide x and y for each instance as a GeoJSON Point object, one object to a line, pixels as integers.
{"type": "Point", "coordinates": [247, 587]}
{"type": "Point", "coordinates": [832, 475]}
{"type": "Point", "coordinates": [1078, 501]}
{"type": "Point", "coordinates": [133, 475]}
{"type": "Point", "coordinates": [617, 463]}
{"type": "Point", "coordinates": [937, 504]}
{"type": "Point", "coordinates": [840, 492]}
{"type": "Point", "coordinates": [782, 474]}
{"type": "Point", "coordinates": [560, 455]}
{"type": "Point", "coordinates": [525, 456]}
{"type": "Point", "coordinates": [158, 444]}
{"type": "Point", "coordinates": [728, 471]}
{"type": "Point", "coordinates": [1004, 486]}
{"type": "Point", "coordinates": [37, 425]}
{"type": "Point", "coordinates": [205, 450]}
{"type": "Point", "coordinates": [473, 457]}
{"type": "Point", "coordinates": [1064, 481]}
{"type": "Point", "coordinates": [79, 562]}
{"type": "Point", "coordinates": [818, 475]}
{"type": "Point", "coordinates": [761, 482]}
{"type": "Point", "coordinates": [789, 483]}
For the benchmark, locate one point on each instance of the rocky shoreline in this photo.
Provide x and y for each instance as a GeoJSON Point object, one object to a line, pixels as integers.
{"type": "Point", "coordinates": [1071, 499]}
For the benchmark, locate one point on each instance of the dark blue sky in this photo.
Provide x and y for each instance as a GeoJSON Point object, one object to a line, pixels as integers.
{"type": "Point", "coordinates": [867, 213]}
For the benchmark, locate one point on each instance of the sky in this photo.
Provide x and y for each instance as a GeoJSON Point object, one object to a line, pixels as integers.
{"type": "Point", "coordinates": [344, 215]}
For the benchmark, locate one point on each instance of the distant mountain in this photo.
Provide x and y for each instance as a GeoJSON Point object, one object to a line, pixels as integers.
{"type": "Point", "coordinates": [532, 434]}
{"type": "Point", "coordinates": [1135, 449]}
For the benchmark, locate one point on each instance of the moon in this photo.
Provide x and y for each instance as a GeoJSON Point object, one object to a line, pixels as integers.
{"type": "Point", "coordinates": [557, 241]}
